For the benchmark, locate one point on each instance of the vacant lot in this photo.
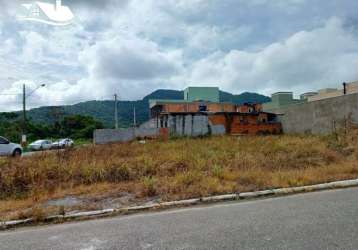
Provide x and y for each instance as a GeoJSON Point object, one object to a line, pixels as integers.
{"type": "Point", "coordinates": [177, 169]}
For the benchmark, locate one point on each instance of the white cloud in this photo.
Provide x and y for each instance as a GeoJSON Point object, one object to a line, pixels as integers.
{"type": "Point", "coordinates": [305, 61]}
{"type": "Point", "coordinates": [133, 47]}
{"type": "Point", "coordinates": [131, 64]}
{"type": "Point", "coordinates": [210, 38]}
{"type": "Point", "coordinates": [131, 59]}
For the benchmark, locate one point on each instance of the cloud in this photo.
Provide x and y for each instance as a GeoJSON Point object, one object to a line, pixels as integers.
{"type": "Point", "coordinates": [132, 47]}
{"type": "Point", "coordinates": [131, 59]}
{"type": "Point", "coordinates": [307, 60]}
{"type": "Point", "coordinates": [129, 63]}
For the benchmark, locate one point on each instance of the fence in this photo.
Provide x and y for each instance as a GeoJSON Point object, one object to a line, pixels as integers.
{"type": "Point", "coordinates": [104, 136]}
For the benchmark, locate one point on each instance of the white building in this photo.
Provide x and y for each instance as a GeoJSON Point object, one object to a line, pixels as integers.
{"type": "Point", "coordinates": [351, 88]}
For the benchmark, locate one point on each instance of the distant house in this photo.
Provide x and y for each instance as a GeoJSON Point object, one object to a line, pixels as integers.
{"type": "Point", "coordinates": [201, 113]}
{"type": "Point", "coordinates": [56, 14]}
{"type": "Point", "coordinates": [281, 101]}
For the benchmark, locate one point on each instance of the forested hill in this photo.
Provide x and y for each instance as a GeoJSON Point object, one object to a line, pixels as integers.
{"type": "Point", "coordinates": [103, 111]}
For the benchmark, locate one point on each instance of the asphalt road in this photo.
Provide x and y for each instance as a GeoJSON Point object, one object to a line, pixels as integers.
{"type": "Point", "coordinates": [323, 220]}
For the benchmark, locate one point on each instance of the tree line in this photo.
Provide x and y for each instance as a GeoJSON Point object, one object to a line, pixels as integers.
{"type": "Point", "coordinates": [73, 126]}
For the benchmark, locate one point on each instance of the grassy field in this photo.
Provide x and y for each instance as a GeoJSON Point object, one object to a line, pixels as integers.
{"type": "Point", "coordinates": [182, 168]}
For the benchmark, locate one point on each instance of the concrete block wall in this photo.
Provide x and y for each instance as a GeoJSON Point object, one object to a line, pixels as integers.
{"type": "Point", "coordinates": [188, 125]}
{"type": "Point", "coordinates": [200, 125]}
{"type": "Point", "coordinates": [146, 132]}
{"type": "Point", "coordinates": [104, 136]}
{"type": "Point", "coordinates": [217, 129]}
{"type": "Point", "coordinates": [319, 117]}
{"type": "Point", "coordinates": [179, 125]}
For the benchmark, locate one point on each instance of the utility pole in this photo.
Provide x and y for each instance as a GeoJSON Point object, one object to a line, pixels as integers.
{"type": "Point", "coordinates": [134, 118]}
{"type": "Point", "coordinates": [23, 138]}
{"type": "Point", "coordinates": [344, 88]}
{"type": "Point", "coordinates": [24, 96]}
{"type": "Point", "coordinates": [116, 111]}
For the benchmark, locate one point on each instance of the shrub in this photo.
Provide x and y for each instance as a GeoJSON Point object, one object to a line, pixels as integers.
{"type": "Point", "coordinates": [118, 173]}
{"type": "Point", "coordinates": [149, 186]}
{"type": "Point", "coordinates": [217, 171]}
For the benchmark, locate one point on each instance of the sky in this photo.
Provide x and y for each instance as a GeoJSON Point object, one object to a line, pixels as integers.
{"type": "Point", "coordinates": [133, 47]}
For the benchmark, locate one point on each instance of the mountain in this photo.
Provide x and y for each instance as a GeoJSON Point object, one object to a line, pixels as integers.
{"type": "Point", "coordinates": [104, 110]}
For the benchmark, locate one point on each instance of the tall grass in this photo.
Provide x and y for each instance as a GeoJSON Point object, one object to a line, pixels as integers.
{"type": "Point", "coordinates": [181, 168]}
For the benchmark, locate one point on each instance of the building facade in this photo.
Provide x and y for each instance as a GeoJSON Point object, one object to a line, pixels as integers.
{"type": "Point", "coordinates": [201, 113]}
{"type": "Point", "coordinates": [326, 111]}
{"type": "Point", "coordinates": [280, 100]}
{"type": "Point", "coordinates": [283, 100]}
{"type": "Point", "coordinates": [348, 88]}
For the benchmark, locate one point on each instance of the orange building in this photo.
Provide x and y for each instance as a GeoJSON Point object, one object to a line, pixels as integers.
{"type": "Point", "coordinates": [232, 119]}
{"type": "Point", "coordinates": [201, 113]}
{"type": "Point", "coordinates": [160, 107]}
{"type": "Point", "coordinates": [247, 123]}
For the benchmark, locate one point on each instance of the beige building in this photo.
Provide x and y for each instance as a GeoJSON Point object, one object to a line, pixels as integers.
{"type": "Point", "coordinates": [351, 88]}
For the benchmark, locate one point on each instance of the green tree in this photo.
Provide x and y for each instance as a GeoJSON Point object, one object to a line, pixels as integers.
{"type": "Point", "coordinates": [79, 126]}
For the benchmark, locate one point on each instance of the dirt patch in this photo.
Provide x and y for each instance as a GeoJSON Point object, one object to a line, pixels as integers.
{"type": "Point", "coordinates": [66, 202]}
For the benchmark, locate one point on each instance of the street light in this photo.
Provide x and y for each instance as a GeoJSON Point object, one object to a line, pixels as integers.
{"type": "Point", "coordinates": [41, 86]}
{"type": "Point", "coordinates": [24, 96]}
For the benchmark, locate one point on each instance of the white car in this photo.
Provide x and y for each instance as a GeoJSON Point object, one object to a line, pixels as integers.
{"type": "Point", "coordinates": [9, 149]}
{"type": "Point", "coordinates": [63, 143]}
{"type": "Point", "coordinates": [41, 145]}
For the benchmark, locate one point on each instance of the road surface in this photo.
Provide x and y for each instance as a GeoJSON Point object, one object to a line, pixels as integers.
{"type": "Point", "coordinates": [322, 220]}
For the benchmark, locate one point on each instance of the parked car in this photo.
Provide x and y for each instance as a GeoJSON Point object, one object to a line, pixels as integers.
{"type": "Point", "coordinates": [41, 145]}
{"type": "Point", "coordinates": [63, 143]}
{"type": "Point", "coordinates": [9, 149]}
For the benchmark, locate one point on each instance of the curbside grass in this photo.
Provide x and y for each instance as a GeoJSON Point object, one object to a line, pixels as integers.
{"type": "Point", "coordinates": [189, 202]}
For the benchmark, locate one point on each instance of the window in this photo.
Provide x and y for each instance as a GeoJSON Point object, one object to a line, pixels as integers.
{"type": "Point", "coordinates": [3, 140]}
{"type": "Point", "coordinates": [203, 108]}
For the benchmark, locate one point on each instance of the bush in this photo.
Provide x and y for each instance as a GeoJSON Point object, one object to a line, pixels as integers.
{"type": "Point", "coordinates": [217, 171]}
{"type": "Point", "coordinates": [118, 174]}
{"type": "Point", "coordinates": [149, 186]}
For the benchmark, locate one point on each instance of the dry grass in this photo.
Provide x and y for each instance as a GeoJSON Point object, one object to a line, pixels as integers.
{"type": "Point", "coordinates": [182, 168]}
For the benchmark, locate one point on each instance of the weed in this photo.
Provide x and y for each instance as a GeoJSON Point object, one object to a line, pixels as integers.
{"type": "Point", "coordinates": [149, 184]}
{"type": "Point", "coordinates": [217, 171]}
{"type": "Point", "coordinates": [182, 168]}
{"type": "Point", "coordinates": [61, 210]}
{"type": "Point", "coordinates": [38, 214]}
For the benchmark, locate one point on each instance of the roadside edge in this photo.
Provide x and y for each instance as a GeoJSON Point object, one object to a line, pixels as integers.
{"type": "Point", "coordinates": [181, 203]}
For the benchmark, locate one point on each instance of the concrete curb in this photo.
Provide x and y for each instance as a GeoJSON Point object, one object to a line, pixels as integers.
{"type": "Point", "coordinates": [211, 199]}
